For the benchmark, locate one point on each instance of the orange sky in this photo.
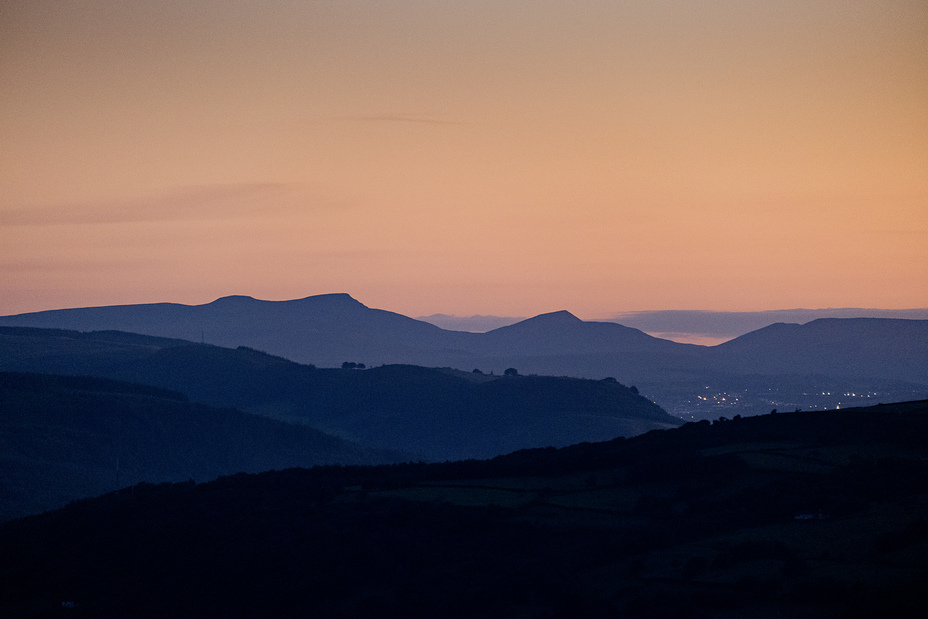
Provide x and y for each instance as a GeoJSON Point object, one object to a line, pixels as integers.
{"type": "Point", "coordinates": [495, 157]}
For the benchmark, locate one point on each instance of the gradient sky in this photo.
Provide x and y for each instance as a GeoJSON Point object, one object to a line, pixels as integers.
{"type": "Point", "coordinates": [494, 157]}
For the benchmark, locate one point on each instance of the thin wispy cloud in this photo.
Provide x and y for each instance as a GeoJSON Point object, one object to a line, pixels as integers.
{"type": "Point", "coordinates": [910, 232]}
{"type": "Point", "coordinates": [399, 118]}
{"type": "Point", "coordinates": [184, 204]}
{"type": "Point", "coordinates": [46, 267]}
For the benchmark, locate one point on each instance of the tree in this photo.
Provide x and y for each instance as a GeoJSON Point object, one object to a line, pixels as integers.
{"type": "Point", "coordinates": [511, 372]}
{"type": "Point", "coordinates": [349, 365]}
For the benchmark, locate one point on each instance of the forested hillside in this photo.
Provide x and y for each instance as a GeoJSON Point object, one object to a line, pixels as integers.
{"type": "Point", "coordinates": [794, 515]}
{"type": "Point", "coordinates": [66, 438]}
{"type": "Point", "coordinates": [430, 413]}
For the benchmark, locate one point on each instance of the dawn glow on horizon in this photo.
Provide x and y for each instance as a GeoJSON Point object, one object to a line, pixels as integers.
{"type": "Point", "coordinates": [508, 158]}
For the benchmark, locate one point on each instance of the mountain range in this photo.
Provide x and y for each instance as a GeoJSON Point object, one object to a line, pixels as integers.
{"type": "Point", "coordinates": [814, 365]}
{"type": "Point", "coordinates": [690, 326]}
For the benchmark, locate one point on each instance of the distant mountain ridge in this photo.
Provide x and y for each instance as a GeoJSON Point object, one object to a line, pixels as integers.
{"type": "Point", "coordinates": [473, 324]}
{"type": "Point", "coordinates": [329, 329]}
{"type": "Point", "coordinates": [733, 324]}
{"type": "Point", "coordinates": [323, 329]}
{"type": "Point", "coordinates": [885, 356]}
{"type": "Point", "coordinates": [885, 347]}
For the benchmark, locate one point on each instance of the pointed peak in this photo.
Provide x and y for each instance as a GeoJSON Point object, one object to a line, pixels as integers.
{"type": "Point", "coordinates": [552, 320]}
{"type": "Point", "coordinates": [559, 315]}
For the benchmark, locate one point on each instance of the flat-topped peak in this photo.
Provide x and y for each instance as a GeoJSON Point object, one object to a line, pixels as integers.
{"type": "Point", "coordinates": [560, 316]}
{"type": "Point", "coordinates": [333, 298]}
{"type": "Point", "coordinates": [337, 298]}
{"type": "Point", "coordinates": [343, 296]}
{"type": "Point", "coordinates": [233, 298]}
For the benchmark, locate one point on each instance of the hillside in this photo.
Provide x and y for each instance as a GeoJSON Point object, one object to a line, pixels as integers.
{"type": "Point", "coordinates": [888, 348]}
{"type": "Point", "coordinates": [64, 438]}
{"type": "Point", "coordinates": [798, 515]}
{"type": "Point", "coordinates": [430, 413]}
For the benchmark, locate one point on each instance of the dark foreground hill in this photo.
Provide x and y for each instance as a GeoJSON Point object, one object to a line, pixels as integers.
{"type": "Point", "coordinates": [66, 438]}
{"type": "Point", "coordinates": [791, 515]}
{"type": "Point", "coordinates": [431, 413]}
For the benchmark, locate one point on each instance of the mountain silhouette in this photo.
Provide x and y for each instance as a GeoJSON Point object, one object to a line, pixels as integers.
{"type": "Point", "coordinates": [323, 329]}
{"type": "Point", "coordinates": [328, 329]}
{"type": "Point", "coordinates": [865, 347]}
{"type": "Point", "coordinates": [780, 365]}
{"type": "Point", "coordinates": [560, 333]}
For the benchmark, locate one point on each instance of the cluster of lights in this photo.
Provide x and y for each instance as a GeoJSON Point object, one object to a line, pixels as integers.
{"type": "Point", "coordinates": [719, 397]}
{"type": "Point", "coordinates": [723, 399]}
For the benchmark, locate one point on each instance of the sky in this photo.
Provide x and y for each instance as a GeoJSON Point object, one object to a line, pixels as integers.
{"type": "Point", "coordinates": [482, 157]}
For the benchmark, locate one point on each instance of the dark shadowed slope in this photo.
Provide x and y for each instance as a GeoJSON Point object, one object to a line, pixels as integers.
{"type": "Point", "coordinates": [791, 515]}
{"type": "Point", "coordinates": [64, 437]}
{"type": "Point", "coordinates": [434, 414]}
{"type": "Point", "coordinates": [59, 351]}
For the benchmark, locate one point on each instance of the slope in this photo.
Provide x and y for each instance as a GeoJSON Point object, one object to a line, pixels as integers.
{"type": "Point", "coordinates": [64, 438]}
{"type": "Point", "coordinates": [432, 413]}
{"type": "Point", "coordinates": [890, 348]}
